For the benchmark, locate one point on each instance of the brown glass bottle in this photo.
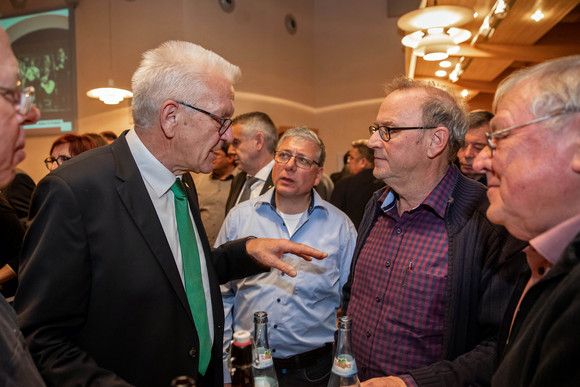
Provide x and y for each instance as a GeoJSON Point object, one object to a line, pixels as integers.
{"type": "Point", "coordinates": [242, 360]}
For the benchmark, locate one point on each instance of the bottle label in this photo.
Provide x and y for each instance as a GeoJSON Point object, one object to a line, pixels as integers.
{"type": "Point", "coordinates": [344, 365]}
{"type": "Point", "coordinates": [264, 358]}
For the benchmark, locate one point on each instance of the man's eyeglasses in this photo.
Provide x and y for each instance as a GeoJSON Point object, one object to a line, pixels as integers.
{"type": "Point", "coordinates": [22, 98]}
{"type": "Point", "coordinates": [49, 161]}
{"type": "Point", "coordinates": [493, 138]}
{"type": "Point", "coordinates": [385, 131]}
{"type": "Point", "coordinates": [300, 161]}
{"type": "Point", "coordinates": [225, 122]}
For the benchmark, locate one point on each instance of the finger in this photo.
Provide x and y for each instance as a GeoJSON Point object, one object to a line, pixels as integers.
{"type": "Point", "coordinates": [304, 257]}
{"type": "Point", "coordinates": [302, 250]}
{"type": "Point", "coordinates": [285, 268]}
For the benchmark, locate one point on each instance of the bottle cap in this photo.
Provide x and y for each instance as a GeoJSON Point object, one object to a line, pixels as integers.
{"type": "Point", "coordinates": [242, 338]}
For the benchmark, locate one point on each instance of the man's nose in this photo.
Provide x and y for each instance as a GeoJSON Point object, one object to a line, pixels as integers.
{"type": "Point", "coordinates": [31, 117]}
{"type": "Point", "coordinates": [483, 161]}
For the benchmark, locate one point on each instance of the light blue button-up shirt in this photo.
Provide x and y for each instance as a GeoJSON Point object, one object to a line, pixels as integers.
{"type": "Point", "coordinates": [301, 310]}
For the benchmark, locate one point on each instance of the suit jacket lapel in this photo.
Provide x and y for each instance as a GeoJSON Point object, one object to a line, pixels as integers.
{"type": "Point", "coordinates": [134, 195]}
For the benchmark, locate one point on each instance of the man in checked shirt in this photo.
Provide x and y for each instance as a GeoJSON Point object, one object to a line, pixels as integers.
{"type": "Point", "coordinates": [431, 276]}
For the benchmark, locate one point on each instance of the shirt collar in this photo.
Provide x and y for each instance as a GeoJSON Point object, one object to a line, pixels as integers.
{"type": "Point", "coordinates": [436, 200]}
{"type": "Point", "coordinates": [270, 199]}
{"type": "Point", "coordinates": [552, 243]}
{"type": "Point", "coordinates": [265, 171]}
{"type": "Point", "coordinates": [153, 172]}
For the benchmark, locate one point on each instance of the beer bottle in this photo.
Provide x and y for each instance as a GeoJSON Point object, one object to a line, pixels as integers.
{"type": "Point", "coordinates": [242, 360]}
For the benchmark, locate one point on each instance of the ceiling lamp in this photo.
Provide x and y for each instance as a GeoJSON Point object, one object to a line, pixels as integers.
{"type": "Point", "coordinates": [434, 33]}
{"type": "Point", "coordinates": [438, 43]}
{"type": "Point", "coordinates": [110, 95]}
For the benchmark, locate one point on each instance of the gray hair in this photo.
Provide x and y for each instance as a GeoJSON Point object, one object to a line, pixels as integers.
{"type": "Point", "coordinates": [556, 85]}
{"type": "Point", "coordinates": [255, 122]}
{"type": "Point", "coordinates": [303, 133]}
{"type": "Point", "coordinates": [442, 107]}
{"type": "Point", "coordinates": [478, 118]}
{"type": "Point", "coordinates": [174, 70]}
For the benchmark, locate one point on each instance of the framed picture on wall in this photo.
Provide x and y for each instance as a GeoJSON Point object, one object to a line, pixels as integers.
{"type": "Point", "coordinates": [43, 43]}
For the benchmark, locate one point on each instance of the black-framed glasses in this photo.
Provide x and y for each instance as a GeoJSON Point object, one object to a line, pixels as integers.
{"type": "Point", "coordinates": [49, 161]}
{"type": "Point", "coordinates": [300, 161]}
{"type": "Point", "coordinates": [225, 122]}
{"type": "Point", "coordinates": [385, 131]}
{"type": "Point", "coordinates": [493, 138]}
{"type": "Point", "coordinates": [22, 98]}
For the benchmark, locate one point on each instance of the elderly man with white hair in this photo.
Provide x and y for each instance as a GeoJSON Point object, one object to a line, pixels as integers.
{"type": "Point", "coordinates": [533, 173]}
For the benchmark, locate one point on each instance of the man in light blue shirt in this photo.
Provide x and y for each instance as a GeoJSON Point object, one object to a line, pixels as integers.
{"type": "Point", "coordinates": [302, 310]}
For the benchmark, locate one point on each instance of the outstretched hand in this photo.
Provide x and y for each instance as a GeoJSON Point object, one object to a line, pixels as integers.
{"type": "Point", "coordinates": [389, 381]}
{"type": "Point", "coordinates": [267, 252]}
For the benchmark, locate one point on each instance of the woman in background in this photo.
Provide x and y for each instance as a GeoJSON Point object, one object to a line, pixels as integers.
{"type": "Point", "coordinates": [66, 147]}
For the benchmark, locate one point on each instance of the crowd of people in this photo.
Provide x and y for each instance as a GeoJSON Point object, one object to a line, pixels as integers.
{"type": "Point", "coordinates": [451, 238]}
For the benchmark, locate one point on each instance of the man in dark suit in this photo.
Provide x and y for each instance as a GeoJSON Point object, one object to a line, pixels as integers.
{"type": "Point", "coordinates": [352, 193]}
{"type": "Point", "coordinates": [255, 139]}
{"type": "Point", "coordinates": [105, 283]}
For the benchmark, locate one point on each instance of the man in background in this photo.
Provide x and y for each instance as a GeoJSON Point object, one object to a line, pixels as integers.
{"type": "Point", "coordinates": [16, 109]}
{"type": "Point", "coordinates": [118, 284]}
{"type": "Point", "coordinates": [352, 193]}
{"type": "Point", "coordinates": [533, 173]}
{"type": "Point", "coordinates": [475, 142]}
{"type": "Point", "coordinates": [213, 190]}
{"type": "Point", "coordinates": [255, 138]}
{"type": "Point", "coordinates": [301, 311]}
{"type": "Point", "coordinates": [431, 276]}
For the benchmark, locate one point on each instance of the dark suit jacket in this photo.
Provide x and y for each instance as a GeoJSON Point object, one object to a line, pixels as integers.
{"type": "Point", "coordinates": [100, 300]}
{"type": "Point", "coordinates": [237, 185]}
{"type": "Point", "coordinates": [352, 194]}
{"type": "Point", "coordinates": [19, 192]}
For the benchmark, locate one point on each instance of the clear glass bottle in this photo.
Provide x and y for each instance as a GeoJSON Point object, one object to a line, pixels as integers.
{"type": "Point", "coordinates": [264, 371]}
{"type": "Point", "coordinates": [241, 358]}
{"type": "Point", "coordinates": [344, 371]}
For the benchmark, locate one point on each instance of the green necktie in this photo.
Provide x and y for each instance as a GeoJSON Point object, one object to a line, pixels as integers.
{"type": "Point", "coordinates": [192, 273]}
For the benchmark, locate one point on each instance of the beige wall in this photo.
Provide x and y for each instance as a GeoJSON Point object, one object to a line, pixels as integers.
{"type": "Point", "coordinates": [328, 75]}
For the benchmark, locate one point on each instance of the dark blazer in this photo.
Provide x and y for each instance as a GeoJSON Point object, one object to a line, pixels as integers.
{"type": "Point", "coordinates": [352, 194]}
{"type": "Point", "coordinates": [237, 185]}
{"type": "Point", "coordinates": [100, 300]}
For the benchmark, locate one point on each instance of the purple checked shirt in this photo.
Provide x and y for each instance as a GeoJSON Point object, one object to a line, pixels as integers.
{"type": "Point", "coordinates": [398, 292]}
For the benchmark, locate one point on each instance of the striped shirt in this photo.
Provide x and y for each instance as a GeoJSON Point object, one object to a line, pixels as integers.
{"type": "Point", "coordinates": [398, 293]}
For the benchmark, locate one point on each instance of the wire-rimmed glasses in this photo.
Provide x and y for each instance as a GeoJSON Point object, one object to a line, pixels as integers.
{"type": "Point", "coordinates": [22, 98]}
{"type": "Point", "coordinates": [493, 138]}
{"type": "Point", "coordinates": [225, 122]}
{"type": "Point", "coordinates": [300, 161]}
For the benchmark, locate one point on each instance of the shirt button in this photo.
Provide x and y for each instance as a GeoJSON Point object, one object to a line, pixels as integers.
{"type": "Point", "coordinates": [399, 231]}
{"type": "Point", "coordinates": [193, 352]}
{"type": "Point", "coordinates": [388, 263]}
{"type": "Point", "coordinates": [278, 300]}
{"type": "Point", "coordinates": [364, 368]}
{"type": "Point", "coordinates": [368, 333]}
{"type": "Point", "coordinates": [378, 299]}
{"type": "Point", "coordinates": [273, 350]}
{"type": "Point", "coordinates": [275, 326]}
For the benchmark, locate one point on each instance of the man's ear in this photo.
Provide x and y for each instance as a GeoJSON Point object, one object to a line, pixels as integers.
{"type": "Point", "coordinates": [168, 118]}
{"type": "Point", "coordinates": [438, 139]}
{"type": "Point", "coordinates": [260, 141]}
{"type": "Point", "coordinates": [318, 176]}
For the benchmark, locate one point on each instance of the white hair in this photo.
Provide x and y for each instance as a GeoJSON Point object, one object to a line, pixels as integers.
{"type": "Point", "coordinates": [174, 70]}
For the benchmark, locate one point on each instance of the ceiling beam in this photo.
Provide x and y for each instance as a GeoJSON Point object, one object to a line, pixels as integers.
{"type": "Point", "coordinates": [526, 53]}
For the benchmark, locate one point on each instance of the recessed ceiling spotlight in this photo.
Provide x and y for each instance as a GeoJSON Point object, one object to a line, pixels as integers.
{"type": "Point", "coordinates": [445, 64]}
{"type": "Point", "coordinates": [538, 15]}
{"type": "Point", "coordinates": [464, 93]}
{"type": "Point", "coordinates": [441, 73]}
